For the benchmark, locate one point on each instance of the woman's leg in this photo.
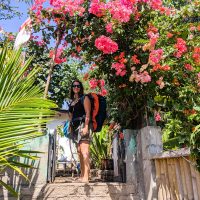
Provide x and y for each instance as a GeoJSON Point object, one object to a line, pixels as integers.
{"type": "Point", "coordinates": [84, 147]}
{"type": "Point", "coordinates": [81, 160]}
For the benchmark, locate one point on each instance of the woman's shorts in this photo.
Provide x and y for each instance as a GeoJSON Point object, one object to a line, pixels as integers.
{"type": "Point", "coordinates": [77, 136]}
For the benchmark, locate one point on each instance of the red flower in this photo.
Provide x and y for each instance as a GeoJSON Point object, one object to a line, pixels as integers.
{"type": "Point", "coordinates": [169, 35]}
{"type": "Point", "coordinates": [196, 55]}
{"type": "Point", "coordinates": [135, 59]}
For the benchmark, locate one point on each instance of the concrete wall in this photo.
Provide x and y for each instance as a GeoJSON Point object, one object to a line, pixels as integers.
{"type": "Point", "coordinates": [130, 158]}
{"type": "Point", "coordinates": [149, 144]}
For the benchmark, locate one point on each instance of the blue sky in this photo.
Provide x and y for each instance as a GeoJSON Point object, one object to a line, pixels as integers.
{"type": "Point", "coordinates": [13, 25]}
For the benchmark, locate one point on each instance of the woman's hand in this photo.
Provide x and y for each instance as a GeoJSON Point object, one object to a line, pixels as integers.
{"type": "Point", "coordinates": [84, 131]}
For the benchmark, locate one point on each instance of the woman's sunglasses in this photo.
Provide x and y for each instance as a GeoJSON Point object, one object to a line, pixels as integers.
{"type": "Point", "coordinates": [78, 86]}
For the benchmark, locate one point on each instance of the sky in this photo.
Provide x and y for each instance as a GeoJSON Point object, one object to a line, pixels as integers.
{"type": "Point", "coordinates": [14, 24]}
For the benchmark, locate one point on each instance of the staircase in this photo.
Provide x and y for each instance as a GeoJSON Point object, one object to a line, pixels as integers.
{"type": "Point", "coordinates": [81, 191]}
{"type": "Point", "coordinates": [63, 189]}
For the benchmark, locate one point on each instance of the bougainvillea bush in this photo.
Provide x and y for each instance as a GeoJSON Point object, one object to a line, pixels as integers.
{"type": "Point", "coordinates": [147, 52]}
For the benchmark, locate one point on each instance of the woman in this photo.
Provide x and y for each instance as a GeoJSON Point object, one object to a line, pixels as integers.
{"type": "Point", "coordinates": [80, 109]}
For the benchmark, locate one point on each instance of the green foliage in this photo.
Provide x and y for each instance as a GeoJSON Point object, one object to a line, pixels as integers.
{"type": "Point", "coordinates": [100, 147]}
{"type": "Point", "coordinates": [60, 130]}
{"type": "Point", "coordinates": [195, 145]}
{"type": "Point", "coordinates": [133, 100]}
{"type": "Point", "coordinates": [23, 111]}
{"type": "Point", "coordinates": [63, 74]}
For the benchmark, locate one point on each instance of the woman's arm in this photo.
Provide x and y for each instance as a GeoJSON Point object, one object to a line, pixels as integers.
{"type": "Point", "coordinates": [70, 112]}
{"type": "Point", "coordinates": [87, 107]}
{"type": "Point", "coordinates": [69, 115]}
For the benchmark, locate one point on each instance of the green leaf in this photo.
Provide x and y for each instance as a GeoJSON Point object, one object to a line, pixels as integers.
{"type": "Point", "coordinates": [9, 188]}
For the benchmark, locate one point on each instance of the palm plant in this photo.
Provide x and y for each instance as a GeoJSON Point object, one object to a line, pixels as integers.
{"type": "Point", "coordinates": [23, 111]}
{"type": "Point", "coordinates": [100, 147]}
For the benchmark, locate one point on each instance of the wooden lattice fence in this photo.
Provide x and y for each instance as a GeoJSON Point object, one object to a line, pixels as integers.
{"type": "Point", "coordinates": [176, 176]}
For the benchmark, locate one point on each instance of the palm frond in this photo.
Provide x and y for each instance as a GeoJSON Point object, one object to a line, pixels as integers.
{"type": "Point", "coordinates": [23, 111]}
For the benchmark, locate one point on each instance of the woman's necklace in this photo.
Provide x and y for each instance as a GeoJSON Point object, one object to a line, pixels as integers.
{"type": "Point", "coordinates": [75, 101]}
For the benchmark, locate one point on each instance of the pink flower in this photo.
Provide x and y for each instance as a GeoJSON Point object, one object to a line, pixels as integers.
{"type": "Point", "coordinates": [103, 92]}
{"type": "Point", "coordinates": [160, 82]}
{"type": "Point", "coordinates": [192, 28]}
{"type": "Point", "coordinates": [191, 36]}
{"type": "Point", "coordinates": [180, 47]}
{"type": "Point", "coordinates": [156, 4]}
{"type": "Point", "coordinates": [120, 69]}
{"type": "Point", "coordinates": [106, 45]}
{"type": "Point", "coordinates": [188, 67]}
{"type": "Point", "coordinates": [155, 56]}
{"type": "Point", "coordinates": [11, 37]}
{"type": "Point", "coordinates": [40, 43]}
{"type": "Point", "coordinates": [102, 83]}
{"type": "Point", "coordinates": [145, 77]}
{"type": "Point", "coordinates": [109, 28]}
{"type": "Point", "coordinates": [157, 117]}
{"type": "Point", "coordinates": [93, 83]}
{"type": "Point", "coordinates": [58, 59]}
{"type": "Point", "coordinates": [142, 77]}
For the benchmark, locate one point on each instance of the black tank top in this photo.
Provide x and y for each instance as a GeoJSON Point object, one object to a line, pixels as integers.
{"type": "Point", "coordinates": [77, 111]}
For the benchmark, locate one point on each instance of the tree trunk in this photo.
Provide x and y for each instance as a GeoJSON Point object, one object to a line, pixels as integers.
{"type": "Point", "coordinates": [52, 64]}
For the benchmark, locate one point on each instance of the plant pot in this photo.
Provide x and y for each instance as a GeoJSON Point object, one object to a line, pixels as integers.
{"type": "Point", "coordinates": [107, 164]}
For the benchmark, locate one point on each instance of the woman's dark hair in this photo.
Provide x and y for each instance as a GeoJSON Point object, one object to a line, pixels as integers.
{"type": "Point", "coordinates": [81, 89]}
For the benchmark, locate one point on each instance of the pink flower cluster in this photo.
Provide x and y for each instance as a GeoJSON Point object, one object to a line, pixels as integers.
{"type": "Point", "coordinates": [106, 45]}
{"type": "Point", "coordinates": [142, 77]}
{"type": "Point", "coordinates": [94, 83]}
{"type": "Point", "coordinates": [120, 69]}
{"type": "Point", "coordinates": [97, 8]}
{"type": "Point", "coordinates": [153, 34]}
{"type": "Point", "coordinates": [157, 117]}
{"type": "Point", "coordinates": [72, 7]}
{"type": "Point", "coordinates": [58, 59]}
{"type": "Point", "coordinates": [120, 11]}
{"type": "Point", "coordinates": [180, 47]}
{"type": "Point", "coordinates": [155, 56]}
{"type": "Point", "coordinates": [156, 4]}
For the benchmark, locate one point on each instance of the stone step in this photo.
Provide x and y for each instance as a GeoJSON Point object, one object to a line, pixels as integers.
{"type": "Point", "coordinates": [81, 191]}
